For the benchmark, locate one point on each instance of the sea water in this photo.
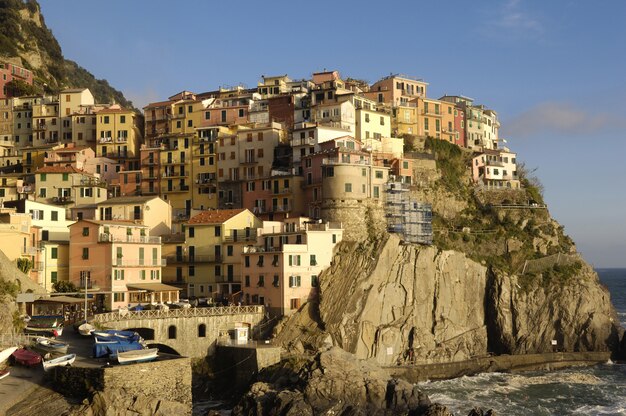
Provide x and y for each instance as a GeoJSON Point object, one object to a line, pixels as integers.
{"type": "Point", "coordinates": [599, 390]}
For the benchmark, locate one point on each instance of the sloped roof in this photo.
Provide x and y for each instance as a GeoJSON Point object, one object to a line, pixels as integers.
{"type": "Point", "coordinates": [124, 200]}
{"type": "Point", "coordinates": [61, 169]}
{"type": "Point", "coordinates": [215, 216]}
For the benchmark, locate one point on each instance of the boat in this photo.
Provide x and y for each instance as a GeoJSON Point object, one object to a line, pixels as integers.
{"type": "Point", "coordinates": [6, 353]}
{"type": "Point", "coordinates": [4, 373]}
{"type": "Point", "coordinates": [86, 329]}
{"type": "Point", "coordinates": [137, 356]}
{"type": "Point", "coordinates": [59, 362]}
{"type": "Point", "coordinates": [26, 357]}
{"type": "Point", "coordinates": [51, 345]}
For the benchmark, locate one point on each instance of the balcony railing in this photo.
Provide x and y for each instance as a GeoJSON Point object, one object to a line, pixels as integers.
{"type": "Point", "coordinates": [105, 140]}
{"type": "Point", "coordinates": [123, 262]}
{"type": "Point", "coordinates": [203, 258]}
{"type": "Point", "coordinates": [61, 200]}
{"type": "Point", "coordinates": [178, 313]}
{"type": "Point", "coordinates": [110, 238]}
{"type": "Point", "coordinates": [183, 188]}
{"type": "Point", "coordinates": [29, 251]}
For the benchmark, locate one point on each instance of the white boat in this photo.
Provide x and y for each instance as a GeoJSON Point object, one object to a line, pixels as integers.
{"type": "Point", "coordinates": [59, 362]}
{"type": "Point", "coordinates": [4, 373]}
{"type": "Point", "coordinates": [86, 329]}
{"type": "Point", "coordinates": [51, 345]}
{"type": "Point", "coordinates": [4, 354]}
{"type": "Point", "coordinates": [137, 356]}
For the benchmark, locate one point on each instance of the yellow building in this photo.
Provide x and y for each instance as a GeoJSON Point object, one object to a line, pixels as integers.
{"type": "Point", "coordinates": [46, 123]}
{"type": "Point", "coordinates": [119, 135]}
{"type": "Point", "coordinates": [213, 249]}
{"type": "Point", "coordinates": [70, 102]}
{"type": "Point", "coordinates": [370, 123]}
{"type": "Point", "coordinates": [68, 186]}
{"type": "Point", "coordinates": [20, 239]}
{"type": "Point", "coordinates": [448, 132]}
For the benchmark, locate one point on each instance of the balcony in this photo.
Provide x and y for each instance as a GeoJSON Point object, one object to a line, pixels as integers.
{"type": "Point", "coordinates": [432, 113]}
{"type": "Point", "coordinates": [121, 139]}
{"type": "Point", "coordinates": [249, 160]}
{"type": "Point", "coordinates": [123, 262]}
{"type": "Point", "coordinates": [182, 188]}
{"type": "Point", "coordinates": [88, 182]}
{"type": "Point", "coordinates": [29, 251]}
{"type": "Point", "coordinates": [150, 162]}
{"type": "Point", "coordinates": [174, 161]}
{"type": "Point", "coordinates": [105, 140]}
{"type": "Point", "coordinates": [26, 189]}
{"type": "Point", "coordinates": [187, 259]}
{"type": "Point", "coordinates": [173, 174]}
{"type": "Point", "coordinates": [308, 141]}
{"type": "Point", "coordinates": [110, 238]}
{"type": "Point", "coordinates": [281, 191]}
{"type": "Point", "coordinates": [227, 279]}
{"type": "Point", "coordinates": [241, 235]}
{"type": "Point", "coordinates": [280, 208]}
{"type": "Point", "coordinates": [334, 161]}
{"type": "Point", "coordinates": [62, 200]}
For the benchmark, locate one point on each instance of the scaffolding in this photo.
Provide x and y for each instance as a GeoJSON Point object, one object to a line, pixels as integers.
{"type": "Point", "coordinates": [407, 217]}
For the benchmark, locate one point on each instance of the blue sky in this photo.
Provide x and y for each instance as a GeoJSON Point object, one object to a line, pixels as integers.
{"type": "Point", "coordinates": [555, 72]}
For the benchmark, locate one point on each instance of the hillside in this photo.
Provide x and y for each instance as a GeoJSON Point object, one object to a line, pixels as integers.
{"type": "Point", "coordinates": [501, 277]}
{"type": "Point", "coordinates": [26, 40]}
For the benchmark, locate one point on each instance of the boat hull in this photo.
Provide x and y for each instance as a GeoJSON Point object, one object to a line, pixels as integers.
{"type": "Point", "coordinates": [5, 354]}
{"type": "Point", "coordinates": [26, 357]}
{"type": "Point", "coordinates": [137, 356]}
{"type": "Point", "coordinates": [59, 362]}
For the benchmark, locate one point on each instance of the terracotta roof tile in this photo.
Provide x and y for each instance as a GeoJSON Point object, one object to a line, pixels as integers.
{"type": "Point", "coordinates": [215, 216]}
{"type": "Point", "coordinates": [61, 169]}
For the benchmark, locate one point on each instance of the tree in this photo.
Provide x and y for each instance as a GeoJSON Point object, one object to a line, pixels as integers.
{"type": "Point", "coordinates": [18, 88]}
{"type": "Point", "coordinates": [64, 287]}
{"type": "Point", "coordinates": [24, 265]}
{"type": "Point", "coordinates": [531, 182]}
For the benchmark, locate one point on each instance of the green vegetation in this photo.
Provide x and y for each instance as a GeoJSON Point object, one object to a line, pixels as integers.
{"type": "Point", "coordinates": [17, 88]}
{"type": "Point", "coordinates": [25, 265]}
{"type": "Point", "coordinates": [18, 36]}
{"type": "Point", "coordinates": [64, 287]}
{"type": "Point", "coordinates": [8, 288]}
{"type": "Point", "coordinates": [452, 163]}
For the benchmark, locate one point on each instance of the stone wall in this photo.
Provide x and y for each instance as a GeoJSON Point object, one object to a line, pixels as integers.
{"type": "Point", "coordinates": [168, 379]}
{"type": "Point", "coordinates": [240, 363]}
{"type": "Point", "coordinates": [187, 341]}
{"type": "Point", "coordinates": [360, 218]}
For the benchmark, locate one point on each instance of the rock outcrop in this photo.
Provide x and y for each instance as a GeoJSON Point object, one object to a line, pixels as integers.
{"type": "Point", "coordinates": [333, 382]}
{"type": "Point", "coordinates": [398, 303]}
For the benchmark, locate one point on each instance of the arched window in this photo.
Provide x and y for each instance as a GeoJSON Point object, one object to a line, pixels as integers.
{"type": "Point", "coordinates": [201, 331]}
{"type": "Point", "coordinates": [171, 332]}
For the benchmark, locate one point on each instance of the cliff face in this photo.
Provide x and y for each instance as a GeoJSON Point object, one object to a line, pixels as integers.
{"type": "Point", "coordinates": [26, 41]}
{"type": "Point", "coordinates": [396, 302]}
{"type": "Point", "coordinates": [501, 277]}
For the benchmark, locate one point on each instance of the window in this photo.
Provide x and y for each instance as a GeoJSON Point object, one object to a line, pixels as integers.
{"type": "Point", "coordinates": [122, 119]}
{"type": "Point", "coordinates": [42, 192]}
{"type": "Point", "coordinates": [261, 282]}
{"type": "Point", "coordinates": [376, 192]}
{"type": "Point", "coordinates": [276, 282]}
{"type": "Point", "coordinates": [241, 112]}
{"type": "Point", "coordinates": [218, 231]}
{"type": "Point", "coordinates": [54, 253]}
{"type": "Point", "coordinates": [143, 275]}
{"type": "Point", "coordinates": [348, 187]}
{"type": "Point", "coordinates": [53, 277]}
{"type": "Point", "coordinates": [294, 281]}
{"type": "Point", "coordinates": [42, 177]}
{"type": "Point", "coordinates": [118, 275]}
{"type": "Point", "coordinates": [85, 231]}
{"type": "Point", "coordinates": [171, 332]}
{"type": "Point", "coordinates": [192, 270]}
{"type": "Point", "coordinates": [246, 281]}
{"type": "Point", "coordinates": [106, 120]}
{"type": "Point", "coordinates": [201, 331]}
{"type": "Point", "coordinates": [314, 281]}
{"type": "Point", "coordinates": [189, 123]}
{"type": "Point", "coordinates": [119, 297]}
{"type": "Point", "coordinates": [261, 261]}
{"type": "Point", "coordinates": [313, 260]}
{"type": "Point", "coordinates": [85, 253]}
{"type": "Point", "coordinates": [246, 261]}
{"type": "Point", "coordinates": [363, 172]}
{"type": "Point", "coordinates": [294, 260]}
{"type": "Point", "coordinates": [334, 238]}
{"type": "Point", "coordinates": [192, 232]}
{"type": "Point", "coordinates": [379, 174]}
{"type": "Point", "coordinates": [207, 115]}
{"type": "Point", "coordinates": [229, 250]}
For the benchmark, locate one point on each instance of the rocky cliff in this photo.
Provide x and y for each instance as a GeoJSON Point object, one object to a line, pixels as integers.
{"type": "Point", "coordinates": [502, 277]}
{"type": "Point", "coordinates": [25, 40]}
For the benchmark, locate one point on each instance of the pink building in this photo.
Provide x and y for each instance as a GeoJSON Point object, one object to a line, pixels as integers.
{"type": "Point", "coordinates": [10, 72]}
{"type": "Point", "coordinates": [459, 125]}
{"type": "Point", "coordinates": [282, 271]}
{"type": "Point", "coordinates": [119, 261]}
{"type": "Point", "coordinates": [274, 198]}
{"type": "Point", "coordinates": [71, 155]}
{"type": "Point", "coordinates": [227, 111]}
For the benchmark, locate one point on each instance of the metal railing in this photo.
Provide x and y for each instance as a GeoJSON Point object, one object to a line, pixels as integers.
{"type": "Point", "coordinates": [124, 315]}
{"type": "Point", "coordinates": [110, 238]}
{"type": "Point", "coordinates": [122, 262]}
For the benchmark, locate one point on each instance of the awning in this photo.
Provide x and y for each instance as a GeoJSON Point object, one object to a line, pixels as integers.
{"type": "Point", "coordinates": [61, 299]}
{"type": "Point", "coordinates": [153, 287]}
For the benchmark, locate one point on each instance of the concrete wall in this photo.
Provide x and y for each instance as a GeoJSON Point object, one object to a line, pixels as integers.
{"type": "Point", "coordinates": [188, 342]}
{"type": "Point", "coordinates": [169, 379]}
{"type": "Point", "coordinates": [359, 218]}
{"type": "Point", "coordinates": [240, 363]}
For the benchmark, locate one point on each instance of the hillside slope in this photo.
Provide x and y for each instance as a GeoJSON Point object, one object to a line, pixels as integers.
{"type": "Point", "coordinates": [502, 278]}
{"type": "Point", "coordinates": [26, 40]}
